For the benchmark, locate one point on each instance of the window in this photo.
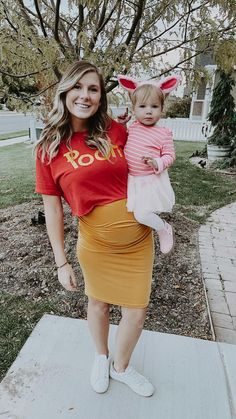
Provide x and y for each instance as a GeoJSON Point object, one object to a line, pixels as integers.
{"type": "Point", "coordinates": [201, 90]}
{"type": "Point", "coordinates": [197, 108]}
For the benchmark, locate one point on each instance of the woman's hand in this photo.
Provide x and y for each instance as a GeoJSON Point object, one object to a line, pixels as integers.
{"type": "Point", "coordinates": [66, 277]}
{"type": "Point", "coordinates": [150, 162]}
{"type": "Point", "coordinates": [124, 118]}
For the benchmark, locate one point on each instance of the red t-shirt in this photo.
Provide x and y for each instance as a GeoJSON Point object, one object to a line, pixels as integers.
{"type": "Point", "coordinates": [83, 176]}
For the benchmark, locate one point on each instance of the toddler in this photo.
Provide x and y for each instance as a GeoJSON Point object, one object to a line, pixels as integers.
{"type": "Point", "coordinates": [149, 152]}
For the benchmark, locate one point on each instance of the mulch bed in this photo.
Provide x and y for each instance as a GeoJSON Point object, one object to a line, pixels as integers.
{"type": "Point", "coordinates": [177, 303]}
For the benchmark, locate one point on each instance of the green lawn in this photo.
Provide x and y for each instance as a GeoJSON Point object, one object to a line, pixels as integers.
{"type": "Point", "coordinates": [17, 173]}
{"type": "Point", "coordinates": [198, 191]}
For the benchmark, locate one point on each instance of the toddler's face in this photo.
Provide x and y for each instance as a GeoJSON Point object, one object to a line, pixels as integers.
{"type": "Point", "coordinates": [148, 112]}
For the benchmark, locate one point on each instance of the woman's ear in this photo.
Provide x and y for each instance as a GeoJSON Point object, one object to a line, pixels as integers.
{"type": "Point", "coordinates": [128, 83]}
{"type": "Point", "coordinates": [169, 83]}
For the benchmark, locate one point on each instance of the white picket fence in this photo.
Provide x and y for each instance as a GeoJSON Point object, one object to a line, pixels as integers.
{"type": "Point", "coordinates": [186, 129]}
{"type": "Point", "coordinates": [183, 128]}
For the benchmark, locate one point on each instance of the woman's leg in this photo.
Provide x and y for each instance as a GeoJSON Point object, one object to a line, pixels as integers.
{"type": "Point", "coordinates": [129, 330]}
{"type": "Point", "coordinates": [98, 321]}
{"type": "Point", "coordinates": [128, 333]}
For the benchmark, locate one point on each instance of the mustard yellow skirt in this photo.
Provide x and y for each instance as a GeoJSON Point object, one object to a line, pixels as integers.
{"type": "Point", "coordinates": [116, 256]}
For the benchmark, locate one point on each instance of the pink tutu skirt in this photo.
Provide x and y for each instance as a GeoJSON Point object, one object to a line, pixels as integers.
{"type": "Point", "coordinates": [152, 193]}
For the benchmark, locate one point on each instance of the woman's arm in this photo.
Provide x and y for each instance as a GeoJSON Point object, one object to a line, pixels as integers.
{"type": "Point", "coordinates": [55, 227]}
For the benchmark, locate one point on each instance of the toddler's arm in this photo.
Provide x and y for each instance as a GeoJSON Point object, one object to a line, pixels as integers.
{"type": "Point", "coordinates": [167, 157]}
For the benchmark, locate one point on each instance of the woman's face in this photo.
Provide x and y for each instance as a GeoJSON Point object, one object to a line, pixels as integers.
{"type": "Point", "coordinates": [83, 100]}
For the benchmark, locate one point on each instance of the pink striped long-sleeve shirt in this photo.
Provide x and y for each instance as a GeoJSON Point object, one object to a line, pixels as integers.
{"type": "Point", "coordinates": [148, 141]}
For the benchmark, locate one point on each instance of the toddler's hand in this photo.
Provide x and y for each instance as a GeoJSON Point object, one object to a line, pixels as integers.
{"type": "Point", "coordinates": [150, 162]}
{"type": "Point", "coordinates": [67, 278]}
{"type": "Point", "coordinates": [124, 118]}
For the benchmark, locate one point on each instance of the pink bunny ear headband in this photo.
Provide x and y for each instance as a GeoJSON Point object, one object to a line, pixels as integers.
{"type": "Point", "coordinates": [166, 85]}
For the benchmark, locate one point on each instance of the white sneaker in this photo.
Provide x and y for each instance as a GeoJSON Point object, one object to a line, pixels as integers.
{"type": "Point", "coordinates": [99, 378]}
{"type": "Point", "coordinates": [137, 382]}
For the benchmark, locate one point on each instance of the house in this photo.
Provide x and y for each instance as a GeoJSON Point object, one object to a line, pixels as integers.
{"type": "Point", "coordinates": [201, 98]}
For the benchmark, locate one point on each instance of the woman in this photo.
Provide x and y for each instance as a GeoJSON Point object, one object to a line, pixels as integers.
{"type": "Point", "coordinates": [80, 158]}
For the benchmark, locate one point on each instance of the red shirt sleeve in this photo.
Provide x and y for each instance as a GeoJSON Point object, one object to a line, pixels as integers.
{"type": "Point", "coordinates": [45, 183]}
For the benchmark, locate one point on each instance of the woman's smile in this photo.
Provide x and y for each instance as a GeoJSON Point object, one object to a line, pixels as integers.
{"type": "Point", "coordinates": [82, 105]}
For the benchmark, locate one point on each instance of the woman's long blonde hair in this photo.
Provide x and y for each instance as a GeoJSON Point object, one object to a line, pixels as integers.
{"type": "Point", "coordinates": [58, 127]}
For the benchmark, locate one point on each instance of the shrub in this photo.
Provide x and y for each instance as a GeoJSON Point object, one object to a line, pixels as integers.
{"type": "Point", "coordinates": [222, 115]}
{"type": "Point", "coordinates": [179, 109]}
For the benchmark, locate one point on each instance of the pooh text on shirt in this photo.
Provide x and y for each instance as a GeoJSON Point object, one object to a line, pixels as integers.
{"type": "Point", "coordinates": [76, 159]}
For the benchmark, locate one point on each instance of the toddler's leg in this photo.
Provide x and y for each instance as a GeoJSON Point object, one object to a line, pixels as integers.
{"type": "Point", "coordinates": [164, 230]}
{"type": "Point", "coordinates": [149, 219]}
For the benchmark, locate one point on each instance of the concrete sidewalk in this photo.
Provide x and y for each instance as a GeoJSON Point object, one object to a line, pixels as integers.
{"type": "Point", "coordinates": [194, 379]}
{"type": "Point", "coordinates": [217, 243]}
{"type": "Point", "coordinates": [16, 140]}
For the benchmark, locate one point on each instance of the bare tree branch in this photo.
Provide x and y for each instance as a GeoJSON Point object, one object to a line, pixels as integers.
{"type": "Point", "coordinates": [71, 24]}
{"type": "Point", "coordinates": [113, 34]}
{"type": "Point", "coordinates": [28, 97]}
{"type": "Point", "coordinates": [140, 7]}
{"type": "Point", "coordinates": [28, 21]}
{"type": "Point", "coordinates": [136, 19]}
{"type": "Point", "coordinates": [40, 18]}
{"type": "Point", "coordinates": [172, 26]}
{"type": "Point", "coordinates": [57, 72]}
{"type": "Point", "coordinates": [153, 20]}
{"type": "Point", "coordinates": [81, 17]}
{"type": "Point", "coordinates": [114, 83]}
{"type": "Point", "coordinates": [80, 27]}
{"type": "Point", "coordinates": [56, 12]}
{"type": "Point", "coordinates": [103, 20]}
{"type": "Point", "coordinates": [44, 90]}
{"type": "Point", "coordinates": [9, 95]}
{"type": "Point", "coordinates": [65, 31]}
{"type": "Point", "coordinates": [57, 20]}
{"type": "Point", "coordinates": [187, 20]}
{"type": "Point", "coordinates": [181, 62]}
{"type": "Point", "coordinates": [57, 17]}
{"type": "Point", "coordinates": [7, 18]}
{"type": "Point", "coordinates": [25, 14]}
{"type": "Point", "coordinates": [100, 22]}
{"type": "Point", "coordinates": [182, 43]}
{"type": "Point", "coordinates": [51, 27]}
{"type": "Point", "coordinates": [21, 76]}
